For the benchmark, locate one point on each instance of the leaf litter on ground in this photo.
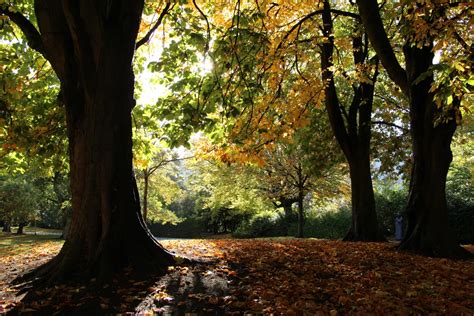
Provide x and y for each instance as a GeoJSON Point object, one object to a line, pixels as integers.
{"type": "Point", "coordinates": [263, 276]}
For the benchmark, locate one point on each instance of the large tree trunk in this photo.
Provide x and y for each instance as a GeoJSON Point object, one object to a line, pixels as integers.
{"type": "Point", "coordinates": [91, 45]}
{"type": "Point", "coordinates": [353, 134]}
{"type": "Point", "coordinates": [364, 225]}
{"type": "Point", "coordinates": [428, 232]}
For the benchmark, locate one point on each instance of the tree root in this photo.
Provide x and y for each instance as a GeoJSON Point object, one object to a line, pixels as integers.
{"type": "Point", "coordinates": [454, 251]}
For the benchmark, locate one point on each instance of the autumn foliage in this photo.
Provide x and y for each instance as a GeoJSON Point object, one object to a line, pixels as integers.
{"type": "Point", "coordinates": [269, 276]}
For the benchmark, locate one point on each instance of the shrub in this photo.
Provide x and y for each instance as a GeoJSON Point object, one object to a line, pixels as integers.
{"type": "Point", "coordinates": [461, 219]}
{"type": "Point", "coordinates": [389, 204]}
{"type": "Point", "coordinates": [329, 224]}
{"type": "Point", "coordinates": [189, 228]}
{"type": "Point", "coordinates": [264, 224]}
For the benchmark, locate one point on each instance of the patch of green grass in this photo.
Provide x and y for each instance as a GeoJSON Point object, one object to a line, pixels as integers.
{"type": "Point", "coordinates": [12, 244]}
{"type": "Point", "coordinates": [38, 230]}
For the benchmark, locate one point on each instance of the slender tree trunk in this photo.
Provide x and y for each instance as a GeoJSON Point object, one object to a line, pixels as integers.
{"type": "Point", "coordinates": [288, 210]}
{"type": "Point", "coordinates": [146, 178]}
{"type": "Point", "coordinates": [300, 214]}
{"type": "Point", "coordinates": [364, 225]}
{"type": "Point", "coordinates": [7, 227]}
{"type": "Point", "coordinates": [91, 45]}
{"type": "Point", "coordinates": [20, 229]}
{"type": "Point", "coordinates": [288, 213]}
{"type": "Point", "coordinates": [428, 232]}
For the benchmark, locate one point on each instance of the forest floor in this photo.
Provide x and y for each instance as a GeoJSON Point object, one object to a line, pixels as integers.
{"type": "Point", "coordinates": [255, 277]}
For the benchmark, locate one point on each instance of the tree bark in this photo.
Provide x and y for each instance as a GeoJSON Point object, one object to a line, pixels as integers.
{"type": "Point", "coordinates": [427, 231]}
{"type": "Point", "coordinates": [288, 215]}
{"type": "Point", "coordinates": [427, 214]}
{"type": "Point", "coordinates": [20, 228]}
{"type": "Point", "coordinates": [146, 178]}
{"type": "Point", "coordinates": [6, 227]}
{"type": "Point", "coordinates": [364, 225]}
{"type": "Point", "coordinates": [90, 45]}
{"type": "Point", "coordinates": [300, 233]}
{"type": "Point", "coordinates": [353, 135]}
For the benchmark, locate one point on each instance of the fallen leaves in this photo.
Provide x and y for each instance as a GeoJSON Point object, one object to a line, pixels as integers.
{"type": "Point", "coordinates": [18, 255]}
{"type": "Point", "coordinates": [271, 276]}
{"type": "Point", "coordinates": [332, 276]}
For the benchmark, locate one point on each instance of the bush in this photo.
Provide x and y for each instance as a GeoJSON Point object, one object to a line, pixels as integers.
{"type": "Point", "coordinates": [389, 204]}
{"type": "Point", "coordinates": [460, 196]}
{"type": "Point", "coordinates": [323, 224]}
{"type": "Point", "coordinates": [189, 228]}
{"type": "Point", "coordinates": [461, 219]}
{"type": "Point", "coordinates": [328, 224]}
{"type": "Point", "coordinates": [264, 224]}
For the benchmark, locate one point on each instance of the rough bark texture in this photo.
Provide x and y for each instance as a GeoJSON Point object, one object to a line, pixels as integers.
{"type": "Point", "coordinates": [428, 232]}
{"type": "Point", "coordinates": [353, 135]}
{"type": "Point", "coordinates": [90, 45]}
{"type": "Point", "coordinates": [146, 180]}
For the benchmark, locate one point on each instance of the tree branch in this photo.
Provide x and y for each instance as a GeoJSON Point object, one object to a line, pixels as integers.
{"type": "Point", "coordinates": [207, 25]}
{"type": "Point", "coordinates": [148, 35]}
{"type": "Point", "coordinates": [309, 16]}
{"type": "Point", "coordinates": [369, 12]}
{"type": "Point", "coordinates": [32, 35]}
{"type": "Point", "coordinates": [404, 130]}
{"type": "Point", "coordinates": [164, 162]}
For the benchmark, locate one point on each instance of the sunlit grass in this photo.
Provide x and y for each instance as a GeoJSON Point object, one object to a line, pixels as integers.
{"type": "Point", "coordinates": [12, 244]}
{"type": "Point", "coordinates": [38, 230]}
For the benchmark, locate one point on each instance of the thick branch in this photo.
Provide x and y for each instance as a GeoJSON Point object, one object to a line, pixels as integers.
{"type": "Point", "coordinates": [32, 35]}
{"type": "Point", "coordinates": [148, 35]}
{"type": "Point", "coordinates": [370, 15]}
{"type": "Point", "coordinates": [331, 99]}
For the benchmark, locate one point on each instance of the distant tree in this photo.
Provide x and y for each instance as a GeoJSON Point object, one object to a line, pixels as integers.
{"type": "Point", "coordinates": [287, 179]}
{"type": "Point", "coordinates": [228, 194]}
{"type": "Point", "coordinates": [17, 202]}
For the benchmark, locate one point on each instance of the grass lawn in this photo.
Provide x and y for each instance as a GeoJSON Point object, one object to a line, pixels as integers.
{"type": "Point", "coordinates": [12, 244]}
{"type": "Point", "coordinates": [38, 230]}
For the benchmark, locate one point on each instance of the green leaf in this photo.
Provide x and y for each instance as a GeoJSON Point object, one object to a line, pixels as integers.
{"type": "Point", "coordinates": [449, 100]}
